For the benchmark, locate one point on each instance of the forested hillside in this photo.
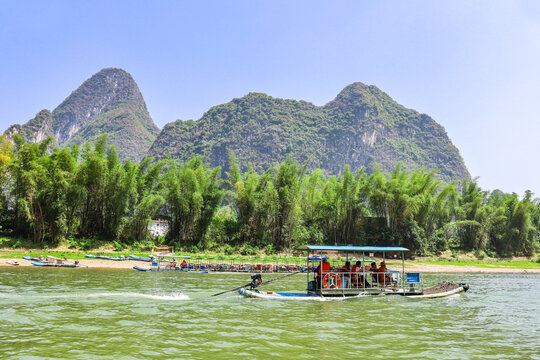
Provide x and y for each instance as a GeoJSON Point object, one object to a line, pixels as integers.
{"type": "Point", "coordinates": [361, 127]}
{"type": "Point", "coordinates": [70, 195]}
{"type": "Point", "coordinates": [108, 103]}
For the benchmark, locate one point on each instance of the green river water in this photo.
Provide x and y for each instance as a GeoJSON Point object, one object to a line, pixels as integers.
{"type": "Point", "coordinates": [125, 314]}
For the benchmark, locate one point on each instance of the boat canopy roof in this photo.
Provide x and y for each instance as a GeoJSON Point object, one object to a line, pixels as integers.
{"type": "Point", "coordinates": [353, 248]}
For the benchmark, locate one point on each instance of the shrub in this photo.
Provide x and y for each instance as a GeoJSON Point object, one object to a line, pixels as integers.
{"type": "Point", "coordinates": [229, 250]}
{"type": "Point", "coordinates": [270, 249]}
{"type": "Point", "coordinates": [118, 246]}
{"type": "Point", "coordinates": [479, 254]}
{"type": "Point", "coordinates": [249, 250]}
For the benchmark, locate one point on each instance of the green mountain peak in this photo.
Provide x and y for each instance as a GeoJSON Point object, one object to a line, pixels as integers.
{"type": "Point", "coordinates": [362, 126]}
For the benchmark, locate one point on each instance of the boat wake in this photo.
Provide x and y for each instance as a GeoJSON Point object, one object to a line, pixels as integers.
{"type": "Point", "coordinates": [174, 296]}
{"type": "Point", "coordinates": [169, 297]}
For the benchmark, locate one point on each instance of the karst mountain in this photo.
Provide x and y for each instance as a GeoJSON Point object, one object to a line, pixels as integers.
{"type": "Point", "coordinates": [362, 127]}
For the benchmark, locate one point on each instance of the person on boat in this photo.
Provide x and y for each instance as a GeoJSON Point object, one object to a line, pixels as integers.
{"type": "Point", "coordinates": [373, 270]}
{"type": "Point", "coordinates": [357, 276]}
{"type": "Point", "coordinates": [324, 267]}
{"type": "Point", "coordinates": [346, 273]}
{"type": "Point", "coordinates": [183, 265]}
{"type": "Point", "coordinates": [384, 276]}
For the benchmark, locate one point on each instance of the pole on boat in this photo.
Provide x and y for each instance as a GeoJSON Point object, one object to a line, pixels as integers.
{"type": "Point", "coordinates": [237, 288]}
{"type": "Point", "coordinates": [261, 284]}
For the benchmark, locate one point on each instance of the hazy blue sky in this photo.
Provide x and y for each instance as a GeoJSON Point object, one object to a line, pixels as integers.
{"type": "Point", "coordinates": [474, 66]}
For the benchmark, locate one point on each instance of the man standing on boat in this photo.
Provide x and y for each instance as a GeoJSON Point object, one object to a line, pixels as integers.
{"type": "Point", "coordinates": [324, 267]}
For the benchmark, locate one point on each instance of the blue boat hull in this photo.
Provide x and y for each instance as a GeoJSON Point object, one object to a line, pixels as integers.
{"type": "Point", "coordinates": [33, 259]}
{"type": "Point", "coordinates": [54, 265]}
{"type": "Point", "coordinates": [105, 257]}
{"type": "Point", "coordinates": [279, 295]}
{"type": "Point", "coordinates": [140, 258]}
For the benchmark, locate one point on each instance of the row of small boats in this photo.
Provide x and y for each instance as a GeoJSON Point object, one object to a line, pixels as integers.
{"type": "Point", "coordinates": [157, 264]}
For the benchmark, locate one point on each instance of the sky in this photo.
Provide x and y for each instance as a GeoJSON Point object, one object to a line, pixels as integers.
{"type": "Point", "coordinates": [473, 66]}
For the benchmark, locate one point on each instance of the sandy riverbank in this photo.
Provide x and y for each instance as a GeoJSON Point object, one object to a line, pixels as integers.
{"type": "Point", "coordinates": [411, 267]}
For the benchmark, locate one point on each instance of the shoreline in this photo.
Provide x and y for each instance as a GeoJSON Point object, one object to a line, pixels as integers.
{"type": "Point", "coordinates": [410, 267]}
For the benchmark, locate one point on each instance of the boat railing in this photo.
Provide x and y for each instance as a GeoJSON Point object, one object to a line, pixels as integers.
{"type": "Point", "coordinates": [367, 281]}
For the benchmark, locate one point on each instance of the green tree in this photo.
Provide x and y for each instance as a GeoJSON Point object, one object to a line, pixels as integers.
{"type": "Point", "coordinates": [193, 194]}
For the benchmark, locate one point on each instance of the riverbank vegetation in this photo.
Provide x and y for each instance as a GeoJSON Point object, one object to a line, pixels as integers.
{"type": "Point", "coordinates": [83, 196]}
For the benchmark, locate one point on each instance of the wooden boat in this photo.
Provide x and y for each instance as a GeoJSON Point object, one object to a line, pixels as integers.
{"type": "Point", "coordinates": [170, 270]}
{"type": "Point", "coordinates": [118, 258]}
{"type": "Point", "coordinates": [326, 282]}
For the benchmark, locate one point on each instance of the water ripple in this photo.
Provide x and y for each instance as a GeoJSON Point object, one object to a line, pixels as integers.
{"type": "Point", "coordinates": [91, 314]}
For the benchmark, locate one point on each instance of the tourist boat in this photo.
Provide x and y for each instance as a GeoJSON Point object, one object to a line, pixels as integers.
{"type": "Point", "coordinates": [117, 258]}
{"type": "Point", "coordinates": [338, 284]}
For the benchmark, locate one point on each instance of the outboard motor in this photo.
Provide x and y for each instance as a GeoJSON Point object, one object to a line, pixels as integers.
{"type": "Point", "coordinates": [256, 280]}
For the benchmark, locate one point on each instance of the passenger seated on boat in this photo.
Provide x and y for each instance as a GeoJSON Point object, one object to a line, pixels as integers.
{"type": "Point", "coordinates": [358, 280]}
{"type": "Point", "coordinates": [385, 279]}
{"type": "Point", "coordinates": [374, 270]}
{"type": "Point", "coordinates": [354, 276]}
{"type": "Point", "coordinates": [324, 267]}
{"type": "Point", "coordinates": [346, 274]}
{"type": "Point", "coordinates": [183, 265]}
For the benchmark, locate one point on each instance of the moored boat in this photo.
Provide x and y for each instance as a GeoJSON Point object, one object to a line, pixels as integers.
{"type": "Point", "coordinates": [38, 259]}
{"type": "Point", "coordinates": [56, 265]}
{"type": "Point", "coordinates": [162, 269]}
{"type": "Point", "coordinates": [141, 258]}
{"type": "Point", "coordinates": [327, 282]}
{"type": "Point", "coordinates": [56, 262]}
{"type": "Point", "coordinates": [102, 257]}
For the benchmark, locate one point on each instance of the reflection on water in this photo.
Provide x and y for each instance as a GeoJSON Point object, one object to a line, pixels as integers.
{"type": "Point", "coordinates": [98, 314]}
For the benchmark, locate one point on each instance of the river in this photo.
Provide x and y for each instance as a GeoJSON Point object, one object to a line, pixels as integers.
{"type": "Point", "coordinates": [125, 314]}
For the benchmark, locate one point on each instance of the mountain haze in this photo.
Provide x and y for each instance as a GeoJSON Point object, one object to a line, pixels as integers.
{"type": "Point", "coordinates": [362, 126]}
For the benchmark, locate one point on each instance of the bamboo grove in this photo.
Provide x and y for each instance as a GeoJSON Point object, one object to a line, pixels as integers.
{"type": "Point", "coordinates": [52, 196]}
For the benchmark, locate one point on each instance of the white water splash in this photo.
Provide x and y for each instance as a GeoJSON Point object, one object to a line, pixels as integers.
{"type": "Point", "coordinates": [170, 297]}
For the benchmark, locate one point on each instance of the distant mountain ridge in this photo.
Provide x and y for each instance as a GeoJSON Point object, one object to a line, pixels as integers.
{"type": "Point", "coordinates": [361, 127]}
{"type": "Point", "coordinates": [109, 102]}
